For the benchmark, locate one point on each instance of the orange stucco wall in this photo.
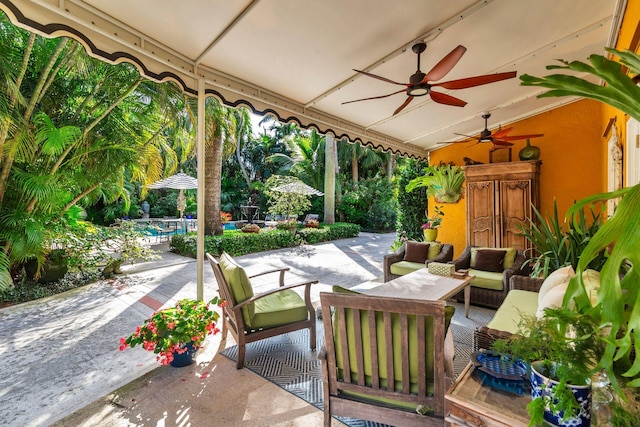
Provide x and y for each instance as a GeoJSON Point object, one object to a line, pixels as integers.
{"type": "Point", "coordinates": [574, 152]}
{"type": "Point", "coordinates": [571, 151]}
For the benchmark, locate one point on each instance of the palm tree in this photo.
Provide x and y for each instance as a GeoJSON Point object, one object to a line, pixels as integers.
{"type": "Point", "coordinates": [72, 131]}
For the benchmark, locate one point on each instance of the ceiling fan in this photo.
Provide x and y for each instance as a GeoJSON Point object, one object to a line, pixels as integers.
{"type": "Point", "coordinates": [419, 82]}
{"type": "Point", "coordinates": [499, 139]}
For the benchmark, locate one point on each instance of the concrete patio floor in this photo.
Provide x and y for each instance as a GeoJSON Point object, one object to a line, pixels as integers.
{"type": "Point", "coordinates": [61, 363]}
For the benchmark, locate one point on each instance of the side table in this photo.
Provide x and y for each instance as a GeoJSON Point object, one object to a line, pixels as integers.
{"type": "Point", "coordinates": [470, 403]}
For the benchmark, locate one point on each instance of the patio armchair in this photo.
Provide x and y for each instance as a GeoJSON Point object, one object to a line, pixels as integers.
{"type": "Point", "coordinates": [252, 317]}
{"type": "Point", "coordinates": [384, 359]}
{"type": "Point", "coordinates": [412, 256]}
{"type": "Point", "coordinates": [492, 268]}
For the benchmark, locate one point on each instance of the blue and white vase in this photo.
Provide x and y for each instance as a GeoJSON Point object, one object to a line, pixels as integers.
{"type": "Point", "coordinates": [542, 386]}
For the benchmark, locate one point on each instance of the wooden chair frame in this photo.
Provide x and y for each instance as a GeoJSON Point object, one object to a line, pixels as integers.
{"type": "Point", "coordinates": [336, 403]}
{"type": "Point", "coordinates": [232, 312]}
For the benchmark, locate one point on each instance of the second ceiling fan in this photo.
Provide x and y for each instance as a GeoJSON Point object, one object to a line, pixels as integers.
{"type": "Point", "coordinates": [419, 82]}
{"type": "Point", "coordinates": [499, 139]}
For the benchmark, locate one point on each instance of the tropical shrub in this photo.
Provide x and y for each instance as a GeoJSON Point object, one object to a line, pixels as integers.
{"type": "Point", "coordinates": [412, 205]}
{"type": "Point", "coordinates": [370, 204]}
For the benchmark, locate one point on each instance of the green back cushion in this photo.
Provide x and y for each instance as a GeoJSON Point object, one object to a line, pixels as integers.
{"type": "Point", "coordinates": [239, 283]}
{"type": "Point", "coordinates": [509, 258]}
{"type": "Point", "coordinates": [434, 250]}
{"type": "Point", "coordinates": [397, 354]}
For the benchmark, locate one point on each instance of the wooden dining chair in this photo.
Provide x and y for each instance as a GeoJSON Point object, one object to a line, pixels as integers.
{"type": "Point", "coordinates": [251, 317]}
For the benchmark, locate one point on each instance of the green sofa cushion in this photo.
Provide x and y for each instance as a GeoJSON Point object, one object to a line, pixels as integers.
{"type": "Point", "coordinates": [382, 358]}
{"type": "Point", "coordinates": [509, 257]}
{"type": "Point", "coordinates": [518, 303]}
{"type": "Point", "coordinates": [434, 250]}
{"type": "Point", "coordinates": [240, 285]}
{"type": "Point", "coordinates": [278, 309]}
{"type": "Point", "coordinates": [401, 268]}
{"type": "Point", "coordinates": [487, 280]}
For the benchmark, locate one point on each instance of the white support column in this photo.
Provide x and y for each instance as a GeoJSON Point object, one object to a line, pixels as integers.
{"type": "Point", "coordinates": [330, 179]}
{"type": "Point", "coordinates": [201, 172]}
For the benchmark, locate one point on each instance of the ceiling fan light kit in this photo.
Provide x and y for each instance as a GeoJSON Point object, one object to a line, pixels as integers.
{"type": "Point", "coordinates": [420, 83]}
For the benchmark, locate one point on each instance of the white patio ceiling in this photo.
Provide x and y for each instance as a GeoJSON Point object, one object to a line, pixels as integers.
{"type": "Point", "coordinates": [294, 58]}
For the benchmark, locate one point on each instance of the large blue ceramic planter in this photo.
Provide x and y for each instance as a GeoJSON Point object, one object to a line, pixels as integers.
{"type": "Point", "coordinates": [542, 386]}
{"type": "Point", "coordinates": [184, 359]}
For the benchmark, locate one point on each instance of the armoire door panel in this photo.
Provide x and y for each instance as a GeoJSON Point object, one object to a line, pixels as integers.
{"type": "Point", "coordinates": [481, 208]}
{"type": "Point", "coordinates": [516, 209]}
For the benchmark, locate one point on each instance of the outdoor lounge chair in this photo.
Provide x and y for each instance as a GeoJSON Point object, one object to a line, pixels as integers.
{"type": "Point", "coordinates": [252, 317]}
{"type": "Point", "coordinates": [403, 262]}
{"type": "Point", "coordinates": [373, 342]}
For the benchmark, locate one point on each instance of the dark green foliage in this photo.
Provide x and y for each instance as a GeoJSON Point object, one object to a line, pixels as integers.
{"type": "Point", "coordinates": [237, 243]}
{"type": "Point", "coordinates": [560, 243]}
{"type": "Point", "coordinates": [411, 205]}
{"type": "Point", "coordinates": [370, 204]}
{"type": "Point", "coordinates": [27, 290]}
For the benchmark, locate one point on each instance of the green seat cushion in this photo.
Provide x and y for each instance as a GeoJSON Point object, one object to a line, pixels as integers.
{"type": "Point", "coordinates": [278, 309]}
{"type": "Point", "coordinates": [239, 284]}
{"type": "Point", "coordinates": [449, 311]}
{"type": "Point", "coordinates": [401, 268]}
{"type": "Point", "coordinates": [518, 303]}
{"type": "Point", "coordinates": [509, 257]}
{"type": "Point", "coordinates": [487, 280]}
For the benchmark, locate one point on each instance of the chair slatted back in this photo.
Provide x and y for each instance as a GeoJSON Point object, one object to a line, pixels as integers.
{"type": "Point", "coordinates": [386, 324]}
{"type": "Point", "coordinates": [225, 293]}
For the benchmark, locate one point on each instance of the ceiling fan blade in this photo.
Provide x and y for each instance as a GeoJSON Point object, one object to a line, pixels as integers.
{"type": "Point", "coordinates": [443, 98]}
{"type": "Point", "coordinates": [468, 136]}
{"type": "Point", "coordinates": [373, 97]}
{"type": "Point", "coordinates": [502, 143]}
{"type": "Point", "coordinates": [400, 108]}
{"type": "Point", "coordinates": [445, 65]}
{"type": "Point", "coordinates": [476, 81]}
{"type": "Point", "coordinates": [384, 79]}
{"type": "Point", "coordinates": [502, 132]}
{"type": "Point", "coordinates": [516, 137]}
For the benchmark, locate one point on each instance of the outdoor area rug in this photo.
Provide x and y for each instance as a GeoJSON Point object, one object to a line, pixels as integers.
{"type": "Point", "coordinates": [286, 360]}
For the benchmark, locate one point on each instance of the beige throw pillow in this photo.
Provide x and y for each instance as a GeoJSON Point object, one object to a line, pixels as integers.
{"type": "Point", "coordinates": [558, 277]}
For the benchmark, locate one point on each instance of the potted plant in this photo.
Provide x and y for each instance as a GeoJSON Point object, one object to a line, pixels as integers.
{"type": "Point", "coordinates": [557, 243]}
{"type": "Point", "coordinates": [430, 227]}
{"type": "Point", "coordinates": [443, 182]}
{"type": "Point", "coordinates": [176, 331]}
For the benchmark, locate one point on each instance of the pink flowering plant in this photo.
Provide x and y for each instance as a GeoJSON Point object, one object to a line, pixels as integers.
{"type": "Point", "coordinates": [168, 331]}
{"type": "Point", "coordinates": [435, 220]}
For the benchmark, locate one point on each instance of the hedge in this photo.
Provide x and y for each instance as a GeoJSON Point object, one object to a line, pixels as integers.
{"type": "Point", "coordinates": [237, 243]}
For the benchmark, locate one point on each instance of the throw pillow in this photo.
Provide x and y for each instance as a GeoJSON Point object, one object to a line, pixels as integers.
{"type": "Point", "coordinates": [489, 260]}
{"type": "Point", "coordinates": [434, 250]}
{"type": "Point", "coordinates": [416, 252]}
{"type": "Point", "coordinates": [591, 280]}
{"type": "Point", "coordinates": [558, 277]}
{"type": "Point", "coordinates": [552, 299]}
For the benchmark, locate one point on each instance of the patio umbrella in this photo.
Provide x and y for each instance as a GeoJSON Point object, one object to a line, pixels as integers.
{"type": "Point", "coordinates": [180, 181]}
{"type": "Point", "coordinates": [298, 187]}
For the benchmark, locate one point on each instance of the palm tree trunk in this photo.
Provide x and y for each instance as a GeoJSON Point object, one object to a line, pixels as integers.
{"type": "Point", "coordinates": [213, 185]}
{"type": "Point", "coordinates": [354, 166]}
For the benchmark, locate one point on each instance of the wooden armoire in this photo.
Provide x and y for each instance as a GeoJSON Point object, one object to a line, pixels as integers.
{"type": "Point", "coordinates": [499, 196]}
